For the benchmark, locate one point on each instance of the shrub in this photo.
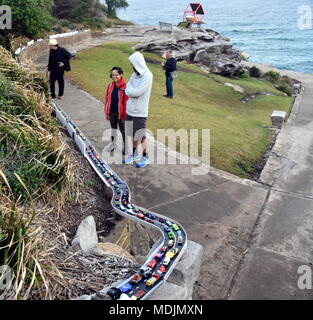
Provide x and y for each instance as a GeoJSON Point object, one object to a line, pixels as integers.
{"type": "Point", "coordinates": [245, 75]}
{"type": "Point", "coordinates": [255, 72]}
{"type": "Point", "coordinates": [272, 76]}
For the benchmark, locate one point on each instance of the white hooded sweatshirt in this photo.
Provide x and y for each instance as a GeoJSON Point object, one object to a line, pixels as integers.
{"type": "Point", "coordinates": [139, 87]}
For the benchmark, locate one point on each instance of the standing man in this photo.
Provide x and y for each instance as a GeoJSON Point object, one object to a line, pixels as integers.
{"type": "Point", "coordinates": [59, 61]}
{"type": "Point", "coordinates": [138, 90]}
{"type": "Point", "coordinates": [170, 67]}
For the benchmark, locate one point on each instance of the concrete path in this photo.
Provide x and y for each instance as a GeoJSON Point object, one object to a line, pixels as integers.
{"type": "Point", "coordinates": [254, 235]}
{"type": "Point", "coordinates": [284, 235]}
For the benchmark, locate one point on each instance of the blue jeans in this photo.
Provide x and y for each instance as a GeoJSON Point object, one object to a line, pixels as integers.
{"type": "Point", "coordinates": [169, 86]}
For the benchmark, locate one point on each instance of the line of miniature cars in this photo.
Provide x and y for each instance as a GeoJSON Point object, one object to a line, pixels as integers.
{"type": "Point", "coordinates": [121, 200]}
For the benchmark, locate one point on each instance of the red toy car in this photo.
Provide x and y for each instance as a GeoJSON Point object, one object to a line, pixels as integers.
{"type": "Point", "coordinates": [152, 263]}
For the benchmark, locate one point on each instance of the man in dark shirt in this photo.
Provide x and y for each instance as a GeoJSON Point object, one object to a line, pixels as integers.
{"type": "Point", "coordinates": [59, 61]}
{"type": "Point", "coordinates": [169, 66]}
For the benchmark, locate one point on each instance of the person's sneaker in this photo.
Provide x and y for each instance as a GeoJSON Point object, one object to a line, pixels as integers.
{"type": "Point", "coordinates": [142, 162]}
{"type": "Point", "coordinates": [111, 147]}
{"type": "Point", "coordinates": [131, 159]}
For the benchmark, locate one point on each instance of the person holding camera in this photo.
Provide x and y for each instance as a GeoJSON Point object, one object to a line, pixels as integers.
{"type": "Point", "coordinates": [170, 73]}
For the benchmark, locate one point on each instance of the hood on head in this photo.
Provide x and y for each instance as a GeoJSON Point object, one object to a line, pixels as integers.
{"type": "Point", "coordinates": [138, 61]}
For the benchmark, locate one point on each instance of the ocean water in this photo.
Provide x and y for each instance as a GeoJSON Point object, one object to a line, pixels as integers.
{"type": "Point", "coordinates": [277, 32]}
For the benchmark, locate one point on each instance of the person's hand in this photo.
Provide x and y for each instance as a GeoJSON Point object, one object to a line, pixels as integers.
{"type": "Point", "coordinates": [61, 64]}
{"type": "Point", "coordinates": [163, 64]}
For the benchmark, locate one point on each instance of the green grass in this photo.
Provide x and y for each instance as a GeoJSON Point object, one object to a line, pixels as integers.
{"type": "Point", "coordinates": [238, 135]}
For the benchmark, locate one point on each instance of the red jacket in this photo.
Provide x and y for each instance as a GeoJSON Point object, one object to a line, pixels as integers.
{"type": "Point", "coordinates": [122, 99]}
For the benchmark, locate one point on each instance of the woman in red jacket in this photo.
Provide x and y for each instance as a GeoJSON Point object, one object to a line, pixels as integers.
{"type": "Point", "coordinates": [115, 106]}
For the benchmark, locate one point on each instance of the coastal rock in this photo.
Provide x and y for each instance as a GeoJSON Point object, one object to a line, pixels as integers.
{"type": "Point", "coordinates": [86, 237]}
{"type": "Point", "coordinates": [235, 87]}
{"type": "Point", "coordinates": [202, 46]}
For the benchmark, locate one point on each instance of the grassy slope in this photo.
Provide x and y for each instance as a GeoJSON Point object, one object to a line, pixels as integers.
{"type": "Point", "coordinates": [238, 136]}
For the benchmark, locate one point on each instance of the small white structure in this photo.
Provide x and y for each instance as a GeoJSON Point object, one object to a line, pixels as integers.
{"type": "Point", "coordinates": [278, 118]}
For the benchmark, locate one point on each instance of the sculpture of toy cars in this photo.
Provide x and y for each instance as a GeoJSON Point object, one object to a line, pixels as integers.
{"type": "Point", "coordinates": [162, 220]}
{"type": "Point", "coordinates": [175, 227]}
{"type": "Point", "coordinates": [180, 240]}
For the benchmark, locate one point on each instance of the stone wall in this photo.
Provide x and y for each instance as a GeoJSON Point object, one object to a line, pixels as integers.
{"type": "Point", "coordinates": [42, 48]}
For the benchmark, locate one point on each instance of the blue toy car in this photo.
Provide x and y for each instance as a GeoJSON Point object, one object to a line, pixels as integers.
{"type": "Point", "coordinates": [126, 287]}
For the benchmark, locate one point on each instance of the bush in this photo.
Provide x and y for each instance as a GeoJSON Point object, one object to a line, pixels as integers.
{"type": "Point", "coordinates": [255, 72]}
{"type": "Point", "coordinates": [272, 76]}
{"type": "Point", "coordinates": [285, 85]}
{"type": "Point", "coordinates": [244, 76]}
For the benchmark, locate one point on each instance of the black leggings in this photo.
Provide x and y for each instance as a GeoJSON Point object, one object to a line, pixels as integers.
{"type": "Point", "coordinates": [114, 120]}
{"type": "Point", "coordinates": [57, 76]}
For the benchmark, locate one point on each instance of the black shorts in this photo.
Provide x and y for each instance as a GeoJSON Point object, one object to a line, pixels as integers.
{"type": "Point", "coordinates": [136, 127]}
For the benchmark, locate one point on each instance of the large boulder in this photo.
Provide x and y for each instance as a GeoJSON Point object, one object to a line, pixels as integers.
{"type": "Point", "coordinates": [86, 236]}
{"type": "Point", "coordinates": [202, 46]}
{"type": "Point", "coordinates": [104, 249]}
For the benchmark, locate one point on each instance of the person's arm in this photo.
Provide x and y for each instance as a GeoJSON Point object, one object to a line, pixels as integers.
{"type": "Point", "coordinates": [66, 55]}
{"type": "Point", "coordinates": [137, 92]}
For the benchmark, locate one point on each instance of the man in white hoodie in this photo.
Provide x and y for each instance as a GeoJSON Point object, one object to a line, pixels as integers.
{"type": "Point", "coordinates": [138, 90]}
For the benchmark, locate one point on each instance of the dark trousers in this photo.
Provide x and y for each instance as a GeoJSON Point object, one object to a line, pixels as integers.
{"type": "Point", "coordinates": [57, 76]}
{"type": "Point", "coordinates": [115, 121]}
{"type": "Point", "coordinates": [169, 86]}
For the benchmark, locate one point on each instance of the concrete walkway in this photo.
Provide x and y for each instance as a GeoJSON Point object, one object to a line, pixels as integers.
{"type": "Point", "coordinates": [284, 234]}
{"type": "Point", "coordinates": [254, 235]}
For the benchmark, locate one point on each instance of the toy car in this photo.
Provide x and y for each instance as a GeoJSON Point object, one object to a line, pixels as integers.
{"type": "Point", "coordinates": [126, 287]}
{"type": "Point", "coordinates": [136, 210]}
{"type": "Point", "coordinates": [136, 278]}
{"type": "Point", "coordinates": [179, 233]}
{"type": "Point", "coordinates": [151, 216]}
{"type": "Point", "coordinates": [166, 261]}
{"type": "Point", "coordinates": [180, 240]}
{"type": "Point", "coordinates": [152, 263]}
{"type": "Point", "coordinates": [162, 220]}
{"type": "Point", "coordinates": [175, 227]}
{"type": "Point", "coordinates": [169, 223]}
{"type": "Point", "coordinates": [159, 256]}
{"type": "Point", "coordinates": [162, 269]}
{"type": "Point", "coordinates": [157, 275]}
{"type": "Point", "coordinates": [140, 216]}
{"type": "Point", "coordinates": [114, 293]}
{"type": "Point", "coordinates": [163, 249]}
{"type": "Point", "coordinates": [149, 220]}
{"type": "Point", "coordinates": [140, 294]}
{"type": "Point", "coordinates": [167, 229]}
{"type": "Point", "coordinates": [170, 235]}
{"type": "Point", "coordinates": [170, 243]}
{"type": "Point", "coordinates": [146, 271]}
{"type": "Point", "coordinates": [172, 253]}
{"type": "Point", "coordinates": [151, 281]}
